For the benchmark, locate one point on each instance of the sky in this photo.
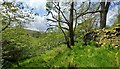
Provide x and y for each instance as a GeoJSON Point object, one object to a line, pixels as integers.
{"type": "Point", "coordinates": [40, 21]}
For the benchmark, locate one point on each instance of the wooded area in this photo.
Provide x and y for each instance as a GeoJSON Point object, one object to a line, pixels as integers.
{"type": "Point", "coordinates": [77, 36]}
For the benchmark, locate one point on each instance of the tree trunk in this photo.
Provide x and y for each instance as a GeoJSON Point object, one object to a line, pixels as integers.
{"type": "Point", "coordinates": [103, 14]}
{"type": "Point", "coordinates": [71, 30]}
{"type": "Point", "coordinates": [68, 44]}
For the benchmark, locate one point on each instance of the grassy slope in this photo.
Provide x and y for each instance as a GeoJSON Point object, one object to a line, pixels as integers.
{"type": "Point", "coordinates": [80, 57]}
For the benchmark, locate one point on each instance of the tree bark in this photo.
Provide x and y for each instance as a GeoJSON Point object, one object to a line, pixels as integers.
{"type": "Point", "coordinates": [103, 14]}
{"type": "Point", "coordinates": [71, 29]}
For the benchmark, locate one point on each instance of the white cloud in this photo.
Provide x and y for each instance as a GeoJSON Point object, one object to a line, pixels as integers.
{"type": "Point", "coordinates": [1, 1]}
{"type": "Point", "coordinates": [38, 24]}
{"type": "Point", "coordinates": [40, 21]}
{"type": "Point", "coordinates": [39, 4]}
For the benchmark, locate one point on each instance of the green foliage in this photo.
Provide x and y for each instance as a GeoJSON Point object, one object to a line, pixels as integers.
{"type": "Point", "coordinates": [49, 5]}
{"type": "Point", "coordinates": [85, 26]}
{"type": "Point", "coordinates": [12, 14]}
{"type": "Point", "coordinates": [117, 21]}
{"type": "Point", "coordinates": [21, 44]}
{"type": "Point", "coordinates": [15, 42]}
{"type": "Point", "coordinates": [92, 43]}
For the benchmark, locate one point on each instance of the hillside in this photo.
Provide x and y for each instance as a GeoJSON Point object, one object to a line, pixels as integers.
{"type": "Point", "coordinates": [78, 35]}
{"type": "Point", "coordinates": [46, 51]}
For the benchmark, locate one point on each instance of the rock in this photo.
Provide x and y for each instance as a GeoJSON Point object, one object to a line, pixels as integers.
{"type": "Point", "coordinates": [117, 29]}
{"type": "Point", "coordinates": [117, 34]}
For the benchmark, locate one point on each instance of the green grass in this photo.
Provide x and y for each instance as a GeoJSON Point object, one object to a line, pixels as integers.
{"type": "Point", "coordinates": [60, 55]}
{"type": "Point", "coordinates": [80, 56]}
{"type": "Point", "coordinates": [44, 58]}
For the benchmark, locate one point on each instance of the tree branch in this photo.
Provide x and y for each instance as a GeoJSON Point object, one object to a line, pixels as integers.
{"type": "Point", "coordinates": [61, 12]}
{"type": "Point", "coordinates": [6, 26]}
{"type": "Point", "coordinates": [56, 20]}
{"type": "Point", "coordinates": [107, 6]}
{"type": "Point", "coordinates": [87, 13]}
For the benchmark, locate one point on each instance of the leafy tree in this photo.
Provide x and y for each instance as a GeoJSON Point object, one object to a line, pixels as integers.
{"type": "Point", "coordinates": [15, 48]}
{"type": "Point", "coordinates": [13, 15]}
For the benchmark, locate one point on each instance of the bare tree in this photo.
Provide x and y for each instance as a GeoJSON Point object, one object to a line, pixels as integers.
{"type": "Point", "coordinates": [71, 22]}
{"type": "Point", "coordinates": [74, 15]}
